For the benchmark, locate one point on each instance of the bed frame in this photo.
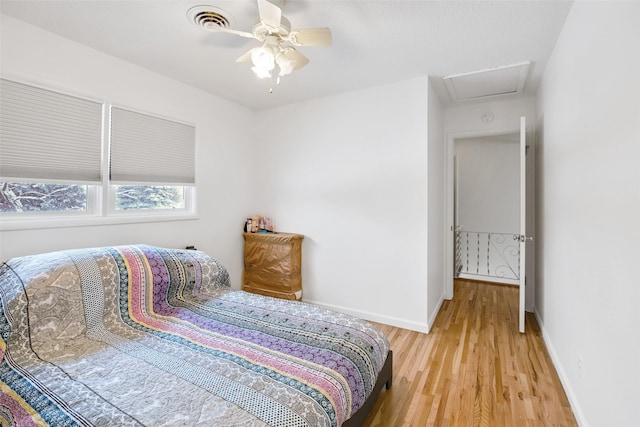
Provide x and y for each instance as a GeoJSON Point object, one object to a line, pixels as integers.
{"type": "Point", "coordinates": [384, 379]}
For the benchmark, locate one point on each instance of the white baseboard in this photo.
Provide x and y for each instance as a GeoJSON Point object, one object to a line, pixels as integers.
{"type": "Point", "coordinates": [573, 400]}
{"type": "Point", "coordinates": [387, 320]}
{"type": "Point", "coordinates": [432, 319]}
{"type": "Point", "coordinates": [500, 280]}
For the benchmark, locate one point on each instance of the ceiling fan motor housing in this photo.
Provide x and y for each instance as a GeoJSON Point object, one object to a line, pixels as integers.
{"type": "Point", "coordinates": [261, 30]}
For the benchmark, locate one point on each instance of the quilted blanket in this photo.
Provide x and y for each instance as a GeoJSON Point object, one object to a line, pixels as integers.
{"type": "Point", "coordinates": [140, 335]}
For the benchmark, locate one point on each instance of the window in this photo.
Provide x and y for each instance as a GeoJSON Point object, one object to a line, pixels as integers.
{"type": "Point", "coordinates": [40, 197]}
{"type": "Point", "coordinates": [55, 149]}
{"type": "Point", "coordinates": [145, 197]}
{"type": "Point", "coordinates": [163, 181]}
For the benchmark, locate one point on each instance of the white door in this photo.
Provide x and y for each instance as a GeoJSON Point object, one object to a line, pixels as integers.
{"type": "Point", "coordinates": [522, 238]}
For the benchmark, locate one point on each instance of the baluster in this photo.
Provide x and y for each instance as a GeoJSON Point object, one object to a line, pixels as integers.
{"type": "Point", "coordinates": [467, 239]}
{"type": "Point", "coordinates": [478, 254]}
{"type": "Point", "coordinates": [488, 252]}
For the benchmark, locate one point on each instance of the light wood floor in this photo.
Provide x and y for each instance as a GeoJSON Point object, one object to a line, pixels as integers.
{"type": "Point", "coordinates": [473, 369]}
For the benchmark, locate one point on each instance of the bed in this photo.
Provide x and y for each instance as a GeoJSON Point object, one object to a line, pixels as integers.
{"type": "Point", "coordinates": [145, 336]}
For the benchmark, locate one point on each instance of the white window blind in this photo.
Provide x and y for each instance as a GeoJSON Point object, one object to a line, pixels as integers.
{"type": "Point", "coordinates": [48, 135]}
{"type": "Point", "coordinates": [150, 150]}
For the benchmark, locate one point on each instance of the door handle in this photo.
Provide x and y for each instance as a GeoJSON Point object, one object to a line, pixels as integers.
{"type": "Point", "coordinates": [522, 238]}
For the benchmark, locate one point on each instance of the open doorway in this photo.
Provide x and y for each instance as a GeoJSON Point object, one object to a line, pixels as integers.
{"type": "Point", "coordinates": [487, 207]}
{"type": "Point", "coordinates": [480, 262]}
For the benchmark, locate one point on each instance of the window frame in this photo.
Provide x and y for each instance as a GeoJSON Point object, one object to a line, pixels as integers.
{"type": "Point", "coordinates": [102, 213]}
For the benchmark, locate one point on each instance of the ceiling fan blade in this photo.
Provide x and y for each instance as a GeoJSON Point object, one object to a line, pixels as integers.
{"type": "Point", "coordinates": [246, 56]}
{"type": "Point", "coordinates": [311, 37]}
{"type": "Point", "coordinates": [290, 60]}
{"type": "Point", "coordinates": [215, 28]}
{"type": "Point", "coordinates": [270, 14]}
{"type": "Point", "coordinates": [299, 59]}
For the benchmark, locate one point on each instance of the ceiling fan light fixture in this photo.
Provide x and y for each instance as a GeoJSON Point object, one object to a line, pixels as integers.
{"type": "Point", "coordinates": [261, 72]}
{"type": "Point", "coordinates": [264, 57]}
{"type": "Point", "coordinates": [263, 62]}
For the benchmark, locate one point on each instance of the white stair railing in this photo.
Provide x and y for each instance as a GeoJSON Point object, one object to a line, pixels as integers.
{"type": "Point", "coordinates": [483, 254]}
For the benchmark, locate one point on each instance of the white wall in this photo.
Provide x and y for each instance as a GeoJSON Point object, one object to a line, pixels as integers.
{"type": "Point", "coordinates": [487, 188]}
{"type": "Point", "coordinates": [222, 145]}
{"type": "Point", "coordinates": [589, 204]}
{"type": "Point", "coordinates": [465, 120]}
{"type": "Point", "coordinates": [488, 183]}
{"type": "Point", "coordinates": [350, 173]}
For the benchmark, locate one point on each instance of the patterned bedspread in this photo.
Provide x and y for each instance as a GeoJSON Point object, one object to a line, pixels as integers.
{"type": "Point", "coordinates": [139, 335]}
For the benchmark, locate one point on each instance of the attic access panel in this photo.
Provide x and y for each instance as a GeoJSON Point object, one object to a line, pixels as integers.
{"type": "Point", "coordinates": [504, 80]}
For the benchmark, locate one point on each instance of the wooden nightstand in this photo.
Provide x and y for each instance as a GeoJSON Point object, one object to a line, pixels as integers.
{"type": "Point", "coordinates": [273, 265]}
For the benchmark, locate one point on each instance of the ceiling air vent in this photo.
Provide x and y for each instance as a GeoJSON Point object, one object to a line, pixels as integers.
{"type": "Point", "coordinates": [504, 80]}
{"type": "Point", "coordinates": [209, 16]}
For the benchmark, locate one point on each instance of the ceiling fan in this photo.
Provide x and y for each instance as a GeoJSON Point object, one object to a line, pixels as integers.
{"type": "Point", "coordinates": [277, 53]}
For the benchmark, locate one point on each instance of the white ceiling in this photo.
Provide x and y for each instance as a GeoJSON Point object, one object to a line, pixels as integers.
{"type": "Point", "coordinates": [374, 41]}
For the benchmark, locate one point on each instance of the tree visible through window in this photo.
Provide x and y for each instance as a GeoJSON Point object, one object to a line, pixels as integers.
{"type": "Point", "coordinates": [22, 197]}
{"type": "Point", "coordinates": [130, 197]}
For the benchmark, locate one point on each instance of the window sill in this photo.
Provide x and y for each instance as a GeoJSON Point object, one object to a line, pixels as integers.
{"type": "Point", "coordinates": [89, 221]}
